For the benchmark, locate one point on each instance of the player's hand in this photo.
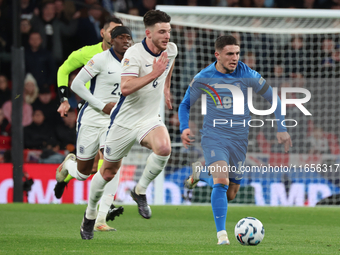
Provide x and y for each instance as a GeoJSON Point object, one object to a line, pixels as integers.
{"type": "Point", "coordinates": [186, 138]}
{"type": "Point", "coordinates": [167, 98]}
{"type": "Point", "coordinates": [63, 108]}
{"type": "Point", "coordinates": [284, 138]}
{"type": "Point", "coordinates": [160, 65]}
{"type": "Point", "coordinates": [108, 107]}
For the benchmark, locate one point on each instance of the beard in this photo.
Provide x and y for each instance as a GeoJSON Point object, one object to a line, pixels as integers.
{"type": "Point", "coordinates": [159, 45]}
{"type": "Point", "coordinates": [228, 70]}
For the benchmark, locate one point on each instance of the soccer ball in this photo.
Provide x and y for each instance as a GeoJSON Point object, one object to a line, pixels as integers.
{"type": "Point", "coordinates": [249, 231]}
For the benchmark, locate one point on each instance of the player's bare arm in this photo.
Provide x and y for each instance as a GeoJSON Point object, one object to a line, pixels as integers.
{"type": "Point", "coordinates": [186, 138]}
{"type": "Point", "coordinates": [167, 85]}
{"type": "Point", "coordinates": [284, 138]}
{"type": "Point", "coordinates": [131, 84]}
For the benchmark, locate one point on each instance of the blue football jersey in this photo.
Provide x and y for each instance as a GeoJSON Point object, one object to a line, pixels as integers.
{"type": "Point", "coordinates": [220, 120]}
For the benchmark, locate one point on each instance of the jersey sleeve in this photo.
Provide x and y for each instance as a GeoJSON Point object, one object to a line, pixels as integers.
{"type": "Point", "coordinates": [172, 50]}
{"type": "Point", "coordinates": [255, 80]}
{"type": "Point", "coordinates": [130, 63]}
{"type": "Point", "coordinates": [74, 61]}
{"type": "Point", "coordinates": [78, 86]}
{"type": "Point", "coordinates": [191, 95]}
{"type": "Point", "coordinates": [94, 66]}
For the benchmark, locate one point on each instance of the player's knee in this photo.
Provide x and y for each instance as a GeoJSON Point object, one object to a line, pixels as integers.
{"type": "Point", "coordinates": [231, 196]}
{"type": "Point", "coordinates": [108, 175]}
{"type": "Point", "coordinates": [163, 150]}
{"type": "Point", "coordinates": [224, 181]}
{"type": "Point", "coordinates": [85, 168]}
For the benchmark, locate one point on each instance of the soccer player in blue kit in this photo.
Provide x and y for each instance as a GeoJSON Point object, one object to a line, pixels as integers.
{"type": "Point", "coordinates": [225, 143]}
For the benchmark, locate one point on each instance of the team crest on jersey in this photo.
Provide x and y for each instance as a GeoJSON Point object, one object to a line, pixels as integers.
{"type": "Point", "coordinates": [126, 62]}
{"type": "Point", "coordinates": [90, 63]}
{"type": "Point", "coordinates": [108, 150]}
{"type": "Point", "coordinates": [81, 149]}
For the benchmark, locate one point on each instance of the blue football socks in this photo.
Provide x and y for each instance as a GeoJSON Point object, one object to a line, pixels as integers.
{"type": "Point", "coordinates": [219, 204]}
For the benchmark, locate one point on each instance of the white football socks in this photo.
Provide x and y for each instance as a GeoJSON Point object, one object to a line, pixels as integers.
{"type": "Point", "coordinates": [154, 165]}
{"type": "Point", "coordinates": [72, 169]}
{"type": "Point", "coordinates": [96, 190]}
{"type": "Point", "coordinates": [106, 201]}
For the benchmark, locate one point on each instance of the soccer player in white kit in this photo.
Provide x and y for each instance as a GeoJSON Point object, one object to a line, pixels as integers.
{"type": "Point", "coordinates": [146, 74]}
{"type": "Point", "coordinates": [104, 73]}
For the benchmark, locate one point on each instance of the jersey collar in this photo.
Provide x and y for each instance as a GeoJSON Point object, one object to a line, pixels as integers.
{"type": "Point", "coordinates": [114, 54]}
{"type": "Point", "coordinates": [148, 50]}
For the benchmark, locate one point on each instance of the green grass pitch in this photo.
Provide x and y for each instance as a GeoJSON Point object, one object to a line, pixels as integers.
{"type": "Point", "coordinates": [54, 229]}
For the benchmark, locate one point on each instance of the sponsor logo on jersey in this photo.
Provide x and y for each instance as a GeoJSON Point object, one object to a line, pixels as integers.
{"type": "Point", "coordinates": [126, 62]}
{"type": "Point", "coordinates": [212, 153]}
{"type": "Point", "coordinates": [111, 72]}
{"type": "Point", "coordinates": [148, 65]}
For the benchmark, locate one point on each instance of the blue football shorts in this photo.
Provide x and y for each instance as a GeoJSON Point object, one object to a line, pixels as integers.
{"type": "Point", "coordinates": [231, 151]}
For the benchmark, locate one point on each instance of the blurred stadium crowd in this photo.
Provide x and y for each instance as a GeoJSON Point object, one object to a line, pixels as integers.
{"type": "Point", "coordinates": [51, 30]}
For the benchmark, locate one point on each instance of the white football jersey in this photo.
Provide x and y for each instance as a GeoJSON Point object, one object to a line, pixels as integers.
{"type": "Point", "coordinates": [105, 70]}
{"type": "Point", "coordinates": [144, 104]}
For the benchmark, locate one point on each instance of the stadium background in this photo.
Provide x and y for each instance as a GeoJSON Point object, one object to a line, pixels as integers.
{"type": "Point", "coordinates": [290, 51]}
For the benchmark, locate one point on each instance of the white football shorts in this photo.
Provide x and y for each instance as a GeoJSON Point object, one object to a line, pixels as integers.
{"type": "Point", "coordinates": [89, 140]}
{"type": "Point", "coordinates": [119, 139]}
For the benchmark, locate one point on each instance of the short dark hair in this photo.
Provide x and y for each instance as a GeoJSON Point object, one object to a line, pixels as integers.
{"type": "Point", "coordinates": [155, 16]}
{"type": "Point", "coordinates": [112, 19]}
{"type": "Point", "coordinates": [224, 40]}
